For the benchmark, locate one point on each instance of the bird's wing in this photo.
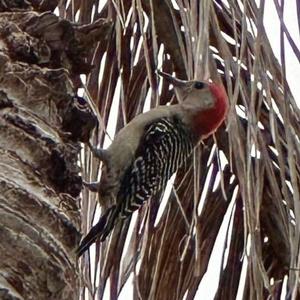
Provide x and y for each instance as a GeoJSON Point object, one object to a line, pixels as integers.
{"type": "Point", "coordinates": [163, 148]}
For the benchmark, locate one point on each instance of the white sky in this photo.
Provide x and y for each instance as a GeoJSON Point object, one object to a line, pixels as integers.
{"type": "Point", "coordinates": [273, 31]}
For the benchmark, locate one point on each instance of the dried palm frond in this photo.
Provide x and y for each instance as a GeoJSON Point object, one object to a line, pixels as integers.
{"type": "Point", "coordinates": [245, 179]}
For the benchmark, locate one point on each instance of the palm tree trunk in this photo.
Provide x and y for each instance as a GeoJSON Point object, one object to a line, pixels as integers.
{"type": "Point", "coordinates": [42, 122]}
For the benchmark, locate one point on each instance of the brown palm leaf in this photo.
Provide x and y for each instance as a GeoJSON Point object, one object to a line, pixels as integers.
{"type": "Point", "coordinates": [245, 179]}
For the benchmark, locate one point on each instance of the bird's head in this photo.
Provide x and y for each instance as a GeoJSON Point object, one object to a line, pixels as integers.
{"type": "Point", "coordinates": [207, 102]}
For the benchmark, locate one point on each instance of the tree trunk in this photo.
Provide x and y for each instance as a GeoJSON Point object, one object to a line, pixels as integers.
{"type": "Point", "coordinates": [42, 122]}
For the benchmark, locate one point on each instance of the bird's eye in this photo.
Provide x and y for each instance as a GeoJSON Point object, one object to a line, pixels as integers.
{"type": "Point", "coordinates": [81, 101]}
{"type": "Point", "coordinates": [198, 85]}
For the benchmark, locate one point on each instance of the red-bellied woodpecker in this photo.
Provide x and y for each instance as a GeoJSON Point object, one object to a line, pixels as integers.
{"type": "Point", "coordinates": [149, 149]}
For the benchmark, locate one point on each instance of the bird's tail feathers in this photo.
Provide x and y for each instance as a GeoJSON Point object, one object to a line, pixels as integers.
{"type": "Point", "coordinates": [100, 230]}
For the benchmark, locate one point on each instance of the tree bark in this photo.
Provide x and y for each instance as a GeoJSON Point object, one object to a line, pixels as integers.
{"type": "Point", "coordinates": [42, 122]}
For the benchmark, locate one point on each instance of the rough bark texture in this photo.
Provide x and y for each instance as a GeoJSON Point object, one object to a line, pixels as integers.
{"type": "Point", "coordinates": [42, 122]}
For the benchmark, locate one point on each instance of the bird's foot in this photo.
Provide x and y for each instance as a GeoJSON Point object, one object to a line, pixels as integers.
{"type": "Point", "coordinates": [92, 186]}
{"type": "Point", "coordinates": [99, 153]}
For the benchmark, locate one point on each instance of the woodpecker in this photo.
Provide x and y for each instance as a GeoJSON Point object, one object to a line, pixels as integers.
{"type": "Point", "coordinates": [149, 149]}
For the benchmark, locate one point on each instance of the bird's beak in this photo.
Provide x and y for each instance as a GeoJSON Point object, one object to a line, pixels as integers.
{"type": "Point", "coordinates": [180, 86]}
{"type": "Point", "coordinates": [172, 80]}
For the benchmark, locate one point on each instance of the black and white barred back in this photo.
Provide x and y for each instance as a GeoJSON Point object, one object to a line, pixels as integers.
{"type": "Point", "coordinates": [164, 147]}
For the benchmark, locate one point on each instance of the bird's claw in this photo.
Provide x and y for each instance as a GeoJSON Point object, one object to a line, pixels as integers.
{"type": "Point", "coordinates": [99, 153]}
{"type": "Point", "coordinates": [92, 186]}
